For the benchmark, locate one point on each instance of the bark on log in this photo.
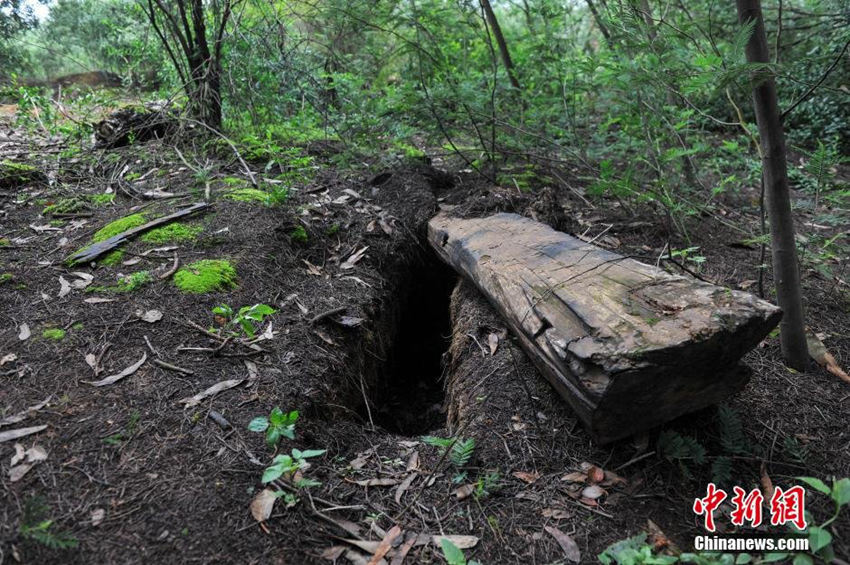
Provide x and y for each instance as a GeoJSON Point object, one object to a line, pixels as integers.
{"type": "Point", "coordinates": [627, 345]}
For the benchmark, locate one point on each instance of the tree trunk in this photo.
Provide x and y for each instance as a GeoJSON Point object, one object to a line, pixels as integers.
{"type": "Point", "coordinates": [786, 272]}
{"type": "Point", "coordinates": [603, 29]}
{"type": "Point", "coordinates": [627, 345]}
{"type": "Point", "coordinates": [500, 41]}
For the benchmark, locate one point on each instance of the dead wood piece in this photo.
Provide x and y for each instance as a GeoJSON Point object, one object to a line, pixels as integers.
{"type": "Point", "coordinates": [627, 345]}
{"type": "Point", "coordinates": [171, 367]}
{"type": "Point", "coordinates": [127, 125]}
{"type": "Point", "coordinates": [94, 251]}
{"type": "Point", "coordinates": [327, 314]}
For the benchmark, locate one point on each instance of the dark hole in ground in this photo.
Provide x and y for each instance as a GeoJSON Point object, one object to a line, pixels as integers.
{"type": "Point", "coordinates": [409, 396]}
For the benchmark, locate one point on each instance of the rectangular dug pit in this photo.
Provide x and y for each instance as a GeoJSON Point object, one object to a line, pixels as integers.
{"type": "Point", "coordinates": [627, 345]}
{"type": "Point", "coordinates": [408, 392]}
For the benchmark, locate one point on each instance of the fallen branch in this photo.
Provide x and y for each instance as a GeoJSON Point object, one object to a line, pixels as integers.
{"type": "Point", "coordinates": [94, 251]}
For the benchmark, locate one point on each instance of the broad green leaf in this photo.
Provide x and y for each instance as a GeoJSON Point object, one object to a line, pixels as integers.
{"type": "Point", "coordinates": [273, 436]}
{"type": "Point", "coordinates": [452, 553]}
{"type": "Point", "coordinates": [272, 473]}
{"type": "Point", "coordinates": [258, 424]}
{"type": "Point", "coordinates": [841, 491]}
{"type": "Point", "coordinates": [277, 417]}
{"type": "Point", "coordinates": [818, 539]}
{"type": "Point", "coordinates": [803, 559]}
{"type": "Point", "coordinates": [774, 557]}
{"type": "Point", "coordinates": [816, 484]}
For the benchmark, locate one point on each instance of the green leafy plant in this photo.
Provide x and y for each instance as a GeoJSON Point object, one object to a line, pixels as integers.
{"type": "Point", "coordinates": [278, 424]}
{"type": "Point", "coordinates": [298, 235]}
{"type": "Point", "coordinates": [487, 484]}
{"type": "Point", "coordinates": [125, 434]}
{"type": "Point", "coordinates": [453, 554]}
{"type": "Point", "coordinates": [246, 318]}
{"type": "Point", "coordinates": [680, 449]}
{"type": "Point", "coordinates": [285, 466]}
{"type": "Point", "coordinates": [35, 527]}
{"type": "Point", "coordinates": [459, 450]}
{"type": "Point", "coordinates": [633, 551]}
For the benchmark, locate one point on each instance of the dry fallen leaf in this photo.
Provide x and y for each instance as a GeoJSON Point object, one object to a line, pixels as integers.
{"type": "Point", "coordinates": [211, 391]}
{"type": "Point", "coordinates": [567, 543]}
{"type": "Point", "coordinates": [151, 316]}
{"type": "Point", "coordinates": [117, 377]}
{"type": "Point", "coordinates": [493, 342]}
{"type": "Point", "coordinates": [766, 483]}
{"type": "Point", "coordinates": [464, 491]}
{"type": "Point", "coordinates": [526, 477]}
{"type": "Point", "coordinates": [97, 300]}
{"type": "Point", "coordinates": [575, 477]}
{"type": "Point", "coordinates": [377, 482]}
{"type": "Point", "coordinates": [354, 258]}
{"type": "Point", "coordinates": [385, 545]}
{"type": "Point", "coordinates": [459, 541]}
{"type": "Point", "coordinates": [818, 352]}
{"type": "Point", "coordinates": [263, 504]}
{"type": "Point", "coordinates": [97, 516]}
{"type": "Point", "coordinates": [405, 484]}
{"type": "Point", "coordinates": [24, 332]}
{"type": "Point", "coordinates": [592, 492]}
{"type": "Point", "coordinates": [64, 287]}
{"type": "Point", "coordinates": [612, 478]}
{"type": "Point", "coordinates": [20, 432]}
{"type": "Point", "coordinates": [8, 358]}
{"type": "Point", "coordinates": [24, 414]}
{"type": "Point", "coordinates": [333, 553]}
{"type": "Point", "coordinates": [17, 473]}
{"type": "Point", "coordinates": [83, 280]}
{"type": "Point", "coordinates": [555, 513]}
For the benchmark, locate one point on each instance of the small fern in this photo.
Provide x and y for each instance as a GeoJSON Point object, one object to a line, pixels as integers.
{"type": "Point", "coordinates": [732, 436]}
{"type": "Point", "coordinates": [680, 449]}
{"type": "Point", "coordinates": [34, 527]}
{"type": "Point", "coordinates": [721, 471]}
{"type": "Point", "coordinates": [460, 450]}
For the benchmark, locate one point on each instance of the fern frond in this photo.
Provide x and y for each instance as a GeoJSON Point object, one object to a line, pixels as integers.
{"type": "Point", "coordinates": [721, 471]}
{"type": "Point", "coordinates": [462, 452]}
{"type": "Point", "coordinates": [732, 436]}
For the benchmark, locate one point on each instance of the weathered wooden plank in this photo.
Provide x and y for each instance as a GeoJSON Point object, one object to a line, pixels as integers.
{"type": "Point", "coordinates": [629, 346]}
{"type": "Point", "coordinates": [95, 250]}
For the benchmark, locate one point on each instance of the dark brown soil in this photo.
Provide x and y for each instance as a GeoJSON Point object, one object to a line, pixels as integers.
{"type": "Point", "coordinates": [404, 351]}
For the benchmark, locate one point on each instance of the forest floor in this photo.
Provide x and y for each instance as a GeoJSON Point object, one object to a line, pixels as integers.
{"type": "Point", "coordinates": [375, 345]}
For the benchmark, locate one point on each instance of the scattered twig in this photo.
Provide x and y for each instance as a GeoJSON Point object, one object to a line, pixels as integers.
{"type": "Point", "coordinates": [327, 314]}
{"type": "Point", "coordinates": [170, 367]}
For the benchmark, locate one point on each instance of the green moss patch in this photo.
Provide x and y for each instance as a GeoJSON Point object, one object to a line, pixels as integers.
{"type": "Point", "coordinates": [64, 206]}
{"type": "Point", "coordinates": [127, 284]}
{"type": "Point", "coordinates": [15, 174]}
{"type": "Point", "coordinates": [6, 277]}
{"type": "Point", "coordinates": [118, 226]}
{"type": "Point", "coordinates": [172, 233]}
{"type": "Point", "coordinates": [55, 334]}
{"type": "Point", "coordinates": [4, 242]}
{"type": "Point", "coordinates": [101, 199]}
{"type": "Point", "coordinates": [207, 275]}
{"type": "Point", "coordinates": [113, 258]}
{"type": "Point", "coordinates": [248, 195]}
